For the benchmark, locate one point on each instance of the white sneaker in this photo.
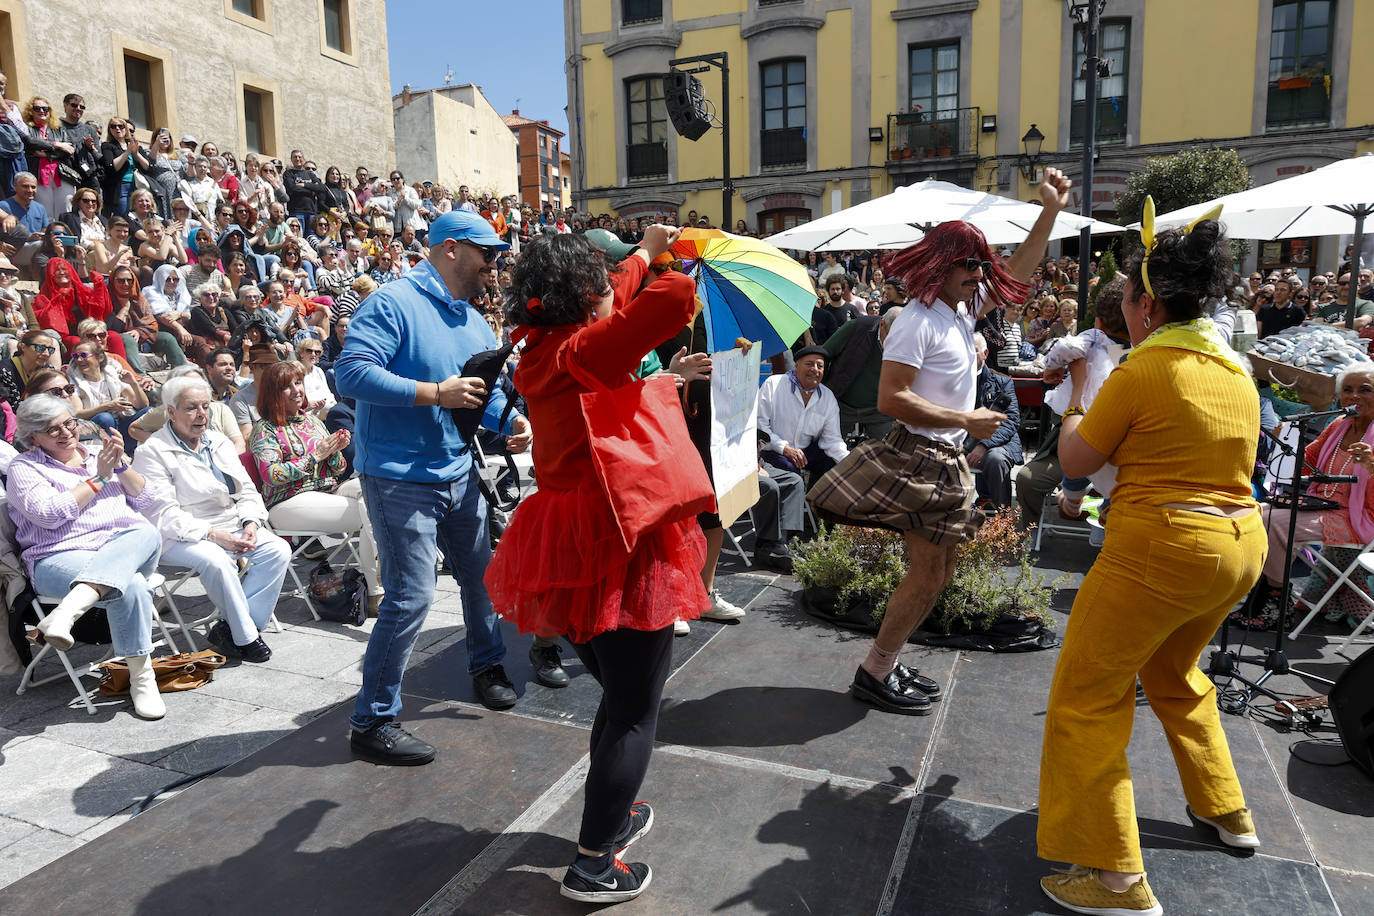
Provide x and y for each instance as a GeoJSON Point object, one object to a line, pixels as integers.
{"type": "Point", "coordinates": [722, 609]}
{"type": "Point", "coordinates": [680, 628]}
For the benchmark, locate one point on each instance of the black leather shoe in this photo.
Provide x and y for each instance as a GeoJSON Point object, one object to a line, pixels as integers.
{"type": "Point", "coordinates": [548, 666]}
{"type": "Point", "coordinates": [390, 745]}
{"type": "Point", "coordinates": [493, 688]}
{"type": "Point", "coordinates": [222, 639]}
{"type": "Point", "coordinates": [915, 679]}
{"type": "Point", "coordinates": [773, 556]}
{"type": "Point", "coordinates": [255, 651]}
{"type": "Point", "coordinates": [889, 694]}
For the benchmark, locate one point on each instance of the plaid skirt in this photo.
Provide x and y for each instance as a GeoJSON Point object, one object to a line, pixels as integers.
{"type": "Point", "coordinates": [906, 482]}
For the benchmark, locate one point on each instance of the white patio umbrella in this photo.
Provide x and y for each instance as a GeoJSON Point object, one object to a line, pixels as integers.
{"type": "Point", "coordinates": [902, 218]}
{"type": "Point", "coordinates": [1332, 200]}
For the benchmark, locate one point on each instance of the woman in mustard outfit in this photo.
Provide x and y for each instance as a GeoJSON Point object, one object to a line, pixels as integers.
{"type": "Point", "coordinates": [1184, 543]}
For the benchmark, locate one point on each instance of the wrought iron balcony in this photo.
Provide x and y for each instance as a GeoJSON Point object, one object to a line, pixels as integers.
{"type": "Point", "coordinates": [782, 148]}
{"type": "Point", "coordinates": [932, 134]}
{"type": "Point", "coordinates": [646, 160]}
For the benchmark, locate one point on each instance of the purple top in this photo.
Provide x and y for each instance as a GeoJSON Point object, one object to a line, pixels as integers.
{"type": "Point", "coordinates": [45, 513]}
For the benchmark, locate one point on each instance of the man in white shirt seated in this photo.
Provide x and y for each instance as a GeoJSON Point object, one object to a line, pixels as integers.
{"type": "Point", "coordinates": [211, 518]}
{"type": "Point", "coordinates": [801, 417]}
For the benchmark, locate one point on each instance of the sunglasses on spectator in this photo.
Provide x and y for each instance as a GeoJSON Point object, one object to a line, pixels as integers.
{"type": "Point", "coordinates": [79, 106]}
{"type": "Point", "coordinates": [972, 264]}
{"type": "Point", "coordinates": [83, 356]}
{"type": "Point", "coordinates": [124, 279]}
{"type": "Point", "coordinates": [488, 253]}
{"type": "Point", "coordinates": [1303, 298]}
{"type": "Point", "coordinates": [319, 352]}
{"type": "Point", "coordinates": [42, 348]}
{"type": "Point", "coordinates": [95, 335]}
{"type": "Point", "coordinates": [69, 426]}
{"type": "Point", "coordinates": [43, 108]}
{"type": "Point", "coordinates": [60, 391]}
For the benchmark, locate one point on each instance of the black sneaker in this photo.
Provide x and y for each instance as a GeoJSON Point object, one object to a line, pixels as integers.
{"type": "Point", "coordinates": [913, 678]}
{"type": "Point", "coordinates": [618, 883]}
{"type": "Point", "coordinates": [889, 694]}
{"type": "Point", "coordinates": [548, 666]}
{"type": "Point", "coordinates": [636, 825]}
{"type": "Point", "coordinates": [494, 690]}
{"type": "Point", "coordinates": [390, 745]}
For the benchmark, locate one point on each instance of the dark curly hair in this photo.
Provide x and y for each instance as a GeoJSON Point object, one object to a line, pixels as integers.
{"type": "Point", "coordinates": [1107, 308]}
{"type": "Point", "coordinates": [1185, 270]}
{"type": "Point", "coordinates": [565, 272]}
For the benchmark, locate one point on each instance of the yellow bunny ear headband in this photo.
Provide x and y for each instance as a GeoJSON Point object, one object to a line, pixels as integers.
{"type": "Point", "coordinates": [1147, 236]}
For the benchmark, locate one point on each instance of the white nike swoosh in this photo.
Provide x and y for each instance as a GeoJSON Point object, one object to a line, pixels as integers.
{"type": "Point", "coordinates": [607, 884]}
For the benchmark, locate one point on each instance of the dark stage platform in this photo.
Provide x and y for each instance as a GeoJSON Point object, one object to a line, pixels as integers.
{"type": "Point", "coordinates": [775, 792]}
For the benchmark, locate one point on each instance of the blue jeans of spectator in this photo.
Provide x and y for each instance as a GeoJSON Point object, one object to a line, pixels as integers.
{"type": "Point", "coordinates": [123, 564]}
{"type": "Point", "coordinates": [409, 520]}
{"type": "Point", "coordinates": [994, 483]}
{"type": "Point", "coordinates": [120, 206]}
{"type": "Point", "coordinates": [246, 604]}
{"type": "Point", "coordinates": [108, 421]}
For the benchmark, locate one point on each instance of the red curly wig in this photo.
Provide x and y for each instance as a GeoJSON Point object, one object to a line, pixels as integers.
{"type": "Point", "coordinates": [925, 266]}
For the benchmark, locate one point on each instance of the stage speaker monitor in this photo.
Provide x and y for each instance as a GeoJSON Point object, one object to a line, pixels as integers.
{"type": "Point", "coordinates": [1352, 708]}
{"type": "Point", "coordinates": [686, 104]}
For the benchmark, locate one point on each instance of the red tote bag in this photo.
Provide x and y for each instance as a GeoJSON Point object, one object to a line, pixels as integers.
{"type": "Point", "coordinates": [646, 463]}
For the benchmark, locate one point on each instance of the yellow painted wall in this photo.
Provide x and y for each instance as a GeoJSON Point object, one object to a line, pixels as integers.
{"type": "Point", "coordinates": [1040, 42]}
{"type": "Point", "coordinates": [883, 82]}
{"type": "Point", "coordinates": [1361, 106]}
{"type": "Point", "coordinates": [598, 117]}
{"type": "Point", "coordinates": [596, 15]}
{"type": "Point", "coordinates": [985, 48]}
{"type": "Point", "coordinates": [1178, 100]}
{"type": "Point", "coordinates": [701, 158]}
{"type": "Point", "coordinates": [834, 92]}
{"type": "Point", "coordinates": [698, 9]}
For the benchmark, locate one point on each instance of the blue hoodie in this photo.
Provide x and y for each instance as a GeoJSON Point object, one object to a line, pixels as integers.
{"type": "Point", "coordinates": [407, 331]}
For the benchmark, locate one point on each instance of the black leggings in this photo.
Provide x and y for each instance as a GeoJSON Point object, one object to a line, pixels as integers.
{"type": "Point", "coordinates": [630, 666]}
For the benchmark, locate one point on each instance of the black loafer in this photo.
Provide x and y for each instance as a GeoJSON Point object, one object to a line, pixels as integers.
{"type": "Point", "coordinates": [777, 558]}
{"type": "Point", "coordinates": [889, 694]}
{"type": "Point", "coordinates": [494, 690]}
{"type": "Point", "coordinates": [390, 745]}
{"type": "Point", "coordinates": [548, 666]}
{"type": "Point", "coordinates": [255, 651]}
{"type": "Point", "coordinates": [918, 681]}
{"type": "Point", "coordinates": [222, 639]}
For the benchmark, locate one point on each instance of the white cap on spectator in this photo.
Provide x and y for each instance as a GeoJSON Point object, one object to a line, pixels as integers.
{"type": "Point", "coordinates": [187, 138]}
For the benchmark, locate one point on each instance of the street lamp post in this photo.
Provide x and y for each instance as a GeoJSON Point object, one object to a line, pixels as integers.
{"type": "Point", "coordinates": [1087, 13]}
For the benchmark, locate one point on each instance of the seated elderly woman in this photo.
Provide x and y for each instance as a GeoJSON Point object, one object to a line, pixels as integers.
{"type": "Point", "coordinates": [212, 519]}
{"type": "Point", "coordinates": [82, 535]}
{"type": "Point", "coordinates": [300, 464]}
{"type": "Point", "coordinates": [1343, 448]}
{"type": "Point", "coordinates": [221, 416]}
{"type": "Point", "coordinates": [110, 395]}
{"type": "Point", "coordinates": [37, 350]}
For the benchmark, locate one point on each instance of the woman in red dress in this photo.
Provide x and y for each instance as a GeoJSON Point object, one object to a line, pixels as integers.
{"type": "Point", "coordinates": [561, 568]}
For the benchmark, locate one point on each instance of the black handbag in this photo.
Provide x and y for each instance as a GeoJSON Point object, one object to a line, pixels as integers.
{"type": "Point", "coordinates": [339, 595]}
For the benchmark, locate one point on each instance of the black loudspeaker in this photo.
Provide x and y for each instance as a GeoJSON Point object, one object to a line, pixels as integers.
{"type": "Point", "coordinates": [1352, 708]}
{"type": "Point", "coordinates": [686, 104]}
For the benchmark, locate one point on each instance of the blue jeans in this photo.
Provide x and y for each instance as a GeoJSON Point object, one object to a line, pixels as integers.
{"type": "Point", "coordinates": [408, 519]}
{"type": "Point", "coordinates": [123, 564]}
{"type": "Point", "coordinates": [108, 421]}
{"type": "Point", "coordinates": [246, 604]}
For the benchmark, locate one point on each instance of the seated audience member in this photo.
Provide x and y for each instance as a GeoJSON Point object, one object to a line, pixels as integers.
{"type": "Point", "coordinates": [244, 403]}
{"type": "Point", "coordinates": [78, 521]}
{"type": "Point", "coordinates": [110, 395]}
{"type": "Point", "coordinates": [345, 305]}
{"type": "Point", "coordinates": [211, 321]}
{"type": "Point", "coordinates": [222, 370]}
{"type": "Point", "coordinates": [93, 330]}
{"type": "Point", "coordinates": [211, 517]}
{"type": "Point", "coordinates": [855, 361]}
{"type": "Point", "coordinates": [318, 398]}
{"type": "Point", "coordinates": [778, 515]}
{"type": "Point", "coordinates": [801, 417]}
{"type": "Point", "coordinates": [221, 417]}
{"type": "Point", "coordinates": [22, 220]}
{"type": "Point", "coordinates": [170, 302]}
{"type": "Point", "coordinates": [300, 464]}
{"type": "Point", "coordinates": [36, 350]}
{"type": "Point", "coordinates": [1000, 453]}
{"type": "Point", "coordinates": [63, 300]}
{"type": "Point", "coordinates": [54, 382]}
{"type": "Point", "coordinates": [131, 318]}
{"type": "Point", "coordinates": [334, 343]}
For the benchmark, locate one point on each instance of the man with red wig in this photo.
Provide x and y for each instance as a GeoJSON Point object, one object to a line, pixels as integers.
{"type": "Point", "coordinates": [917, 480]}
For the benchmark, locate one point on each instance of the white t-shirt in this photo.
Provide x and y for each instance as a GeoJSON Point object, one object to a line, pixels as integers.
{"type": "Point", "coordinates": [939, 342]}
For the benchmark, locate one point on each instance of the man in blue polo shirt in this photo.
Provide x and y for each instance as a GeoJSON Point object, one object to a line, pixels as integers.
{"type": "Point", "coordinates": [22, 220]}
{"type": "Point", "coordinates": [402, 362]}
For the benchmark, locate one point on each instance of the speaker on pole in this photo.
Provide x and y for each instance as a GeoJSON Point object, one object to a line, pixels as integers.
{"type": "Point", "coordinates": [686, 104]}
{"type": "Point", "coordinates": [1352, 709]}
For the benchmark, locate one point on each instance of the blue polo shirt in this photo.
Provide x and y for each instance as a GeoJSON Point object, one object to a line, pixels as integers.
{"type": "Point", "coordinates": [34, 219]}
{"type": "Point", "coordinates": [407, 331]}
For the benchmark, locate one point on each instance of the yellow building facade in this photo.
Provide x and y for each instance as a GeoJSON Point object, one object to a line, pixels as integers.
{"type": "Point", "coordinates": [834, 103]}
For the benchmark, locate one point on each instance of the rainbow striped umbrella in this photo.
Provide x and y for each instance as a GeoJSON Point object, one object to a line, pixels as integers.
{"type": "Point", "coordinates": [748, 288]}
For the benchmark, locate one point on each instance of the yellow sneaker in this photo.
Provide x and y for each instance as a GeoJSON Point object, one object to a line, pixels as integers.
{"type": "Point", "coordinates": [1079, 890]}
{"type": "Point", "coordinates": [1235, 828]}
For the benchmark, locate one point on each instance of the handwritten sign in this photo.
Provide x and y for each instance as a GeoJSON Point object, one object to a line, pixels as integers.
{"type": "Point", "coordinates": [734, 432]}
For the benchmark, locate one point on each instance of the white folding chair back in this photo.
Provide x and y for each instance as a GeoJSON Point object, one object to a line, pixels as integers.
{"type": "Point", "coordinates": [301, 540]}
{"type": "Point", "coordinates": [1366, 561]}
{"type": "Point", "coordinates": [1316, 559]}
{"type": "Point", "coordinates": [731, 543]}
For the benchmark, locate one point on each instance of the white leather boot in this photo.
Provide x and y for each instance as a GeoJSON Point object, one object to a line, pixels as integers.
{"type": "Point", "coordinates": [143, 688]}
{"type": "Point", "coordinates": [57, 626]}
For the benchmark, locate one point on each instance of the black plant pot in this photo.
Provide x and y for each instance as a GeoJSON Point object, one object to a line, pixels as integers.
{"type": "Point", "coordinates": [824, 603]}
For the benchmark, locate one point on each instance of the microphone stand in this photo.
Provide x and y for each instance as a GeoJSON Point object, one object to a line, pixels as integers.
{"type": "Point", "coordinates": [1223, 662]}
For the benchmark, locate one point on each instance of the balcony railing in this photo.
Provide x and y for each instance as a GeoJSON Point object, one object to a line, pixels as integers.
{"type": "Point", "coordinates": [635, 12]}
{"type": "Point", "coordinates": [1298, 102]}
{"type": "Point", "coordinates": [932, 135]}
{"type": "Point", "coordinates": [781, 148]}
{"type": "Point", "coordinates": [646, 160]}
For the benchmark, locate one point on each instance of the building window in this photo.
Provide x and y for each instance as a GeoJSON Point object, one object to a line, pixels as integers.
{"type": "Point", "coordinates": [636, 12]}
{"type": "Point", "coordinates": [774, 221]}
{"type": "Point", "coordinates": [1300, 64]}
{"type": "Point", "coordinates": [1113, 46]}
{"type": "Point", "coordinates": [783, 139]}
{"type": "Point", "coordinates": [259, 122]}
{"type": "Point", "coordinates": [646, 155]}
{"type": "Point", "coordinates": [256, 14]}
{"type": "Point", "coordinates": [337, 33]}
{"type": "Point", "coordinates": [143, 84]}
{"type": "Point", "coordinates": [934, 79]}
{"type": "Point", "coordinates": [138, 90]}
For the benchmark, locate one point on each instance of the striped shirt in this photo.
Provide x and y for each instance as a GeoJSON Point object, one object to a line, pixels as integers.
{"type": "Point", "coordinates": [45, 513]}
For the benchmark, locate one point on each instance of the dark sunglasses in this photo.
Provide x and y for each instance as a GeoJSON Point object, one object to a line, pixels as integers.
{"type": "Point", "coordinates": [66, 390]}
{"type": "Point", "coordinates": [972, 264]}
{"type": "Point", "coordinates": [43, 108]}
{"type": "Point", "coordinates": [488, 253]}
{"type": "Point", "coordinates": [42, 348]}
{"type": "Point", "coordinates": [1303, 298]}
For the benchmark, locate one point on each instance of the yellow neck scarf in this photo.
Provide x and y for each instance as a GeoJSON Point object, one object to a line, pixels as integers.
{"type": "Point", "coordinates": [1200, 335]}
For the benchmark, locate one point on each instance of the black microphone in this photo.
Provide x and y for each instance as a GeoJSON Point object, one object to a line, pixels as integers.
{"type": "Point", "coordinates": [1330, 478]}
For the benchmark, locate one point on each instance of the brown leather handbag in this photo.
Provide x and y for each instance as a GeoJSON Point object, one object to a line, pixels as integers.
{"type": "Point", "coordinates": [183, 671]}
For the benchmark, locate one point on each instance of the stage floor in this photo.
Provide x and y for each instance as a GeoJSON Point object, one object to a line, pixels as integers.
{"type": "Point", "coordinates": [774, 792]}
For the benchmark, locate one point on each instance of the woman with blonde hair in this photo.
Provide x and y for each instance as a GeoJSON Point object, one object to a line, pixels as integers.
{"type": "Point", "coordinates": [44, 153]}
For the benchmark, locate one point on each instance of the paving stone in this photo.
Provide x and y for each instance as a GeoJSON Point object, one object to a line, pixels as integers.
{"type": "Point", "coordinates": [264, 686]}
{"type": "Point", "coordinates": [12, 831]}
{"type": "Point", "coordinates": [36, 849]}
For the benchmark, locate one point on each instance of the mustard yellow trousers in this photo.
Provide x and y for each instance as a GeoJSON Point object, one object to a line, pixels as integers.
{"type": "Point", "coordinates": [1151, 602]}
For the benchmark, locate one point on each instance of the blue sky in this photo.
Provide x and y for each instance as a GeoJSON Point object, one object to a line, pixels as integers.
{"type": "Point", "coordinates": [513, 49]}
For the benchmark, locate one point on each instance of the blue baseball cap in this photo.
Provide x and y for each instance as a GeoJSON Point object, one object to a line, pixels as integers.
{"type": "Point", "coordinates": [464, 225]}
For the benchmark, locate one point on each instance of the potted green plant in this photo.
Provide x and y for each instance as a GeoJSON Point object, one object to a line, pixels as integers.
{"type": "Point", "coordinates": [847, 574]}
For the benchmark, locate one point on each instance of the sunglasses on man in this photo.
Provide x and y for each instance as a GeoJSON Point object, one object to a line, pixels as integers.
{"type": "Point", "coordinates": [489, 253]}
{"type": "Point", "coordinates": [972, 264]}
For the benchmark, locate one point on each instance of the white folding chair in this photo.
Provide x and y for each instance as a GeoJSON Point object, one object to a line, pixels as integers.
{"type": "Point", "coordinates": [1316, 559]}
{"type": "Point", "coordinates": [731, 544]}
{"type": "Point", "coordinates": [300, 540]}
{"type": "Point", "coordinates": [1366, 562]}
{"type": "Point", "coordinates": [1050, 520]}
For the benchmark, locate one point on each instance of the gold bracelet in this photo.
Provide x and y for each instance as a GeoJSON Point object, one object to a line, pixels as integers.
{"type": "Point", "coordinates": [1074, 411]}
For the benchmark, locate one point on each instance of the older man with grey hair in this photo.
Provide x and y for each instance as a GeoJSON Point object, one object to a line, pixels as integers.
{"type": "Point", "coordinates": [211, 517]}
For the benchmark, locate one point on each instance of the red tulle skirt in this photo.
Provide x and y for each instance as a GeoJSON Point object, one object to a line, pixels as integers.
{"type": "Point", "coordinates": [561, 569]}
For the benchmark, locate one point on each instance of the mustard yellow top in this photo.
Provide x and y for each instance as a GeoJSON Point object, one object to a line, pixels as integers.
{"type": "Point", "coordinates": [1179, 426]}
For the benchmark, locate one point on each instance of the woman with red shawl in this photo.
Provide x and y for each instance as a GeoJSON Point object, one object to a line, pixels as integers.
{"type": "Point", "coordinates": [63, 300]}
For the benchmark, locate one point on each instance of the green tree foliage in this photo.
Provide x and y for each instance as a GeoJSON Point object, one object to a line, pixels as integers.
{"type": "Point", "coordinates": [1181, 180]}
{"type": "Point", "coordinates": [1106, 272]}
